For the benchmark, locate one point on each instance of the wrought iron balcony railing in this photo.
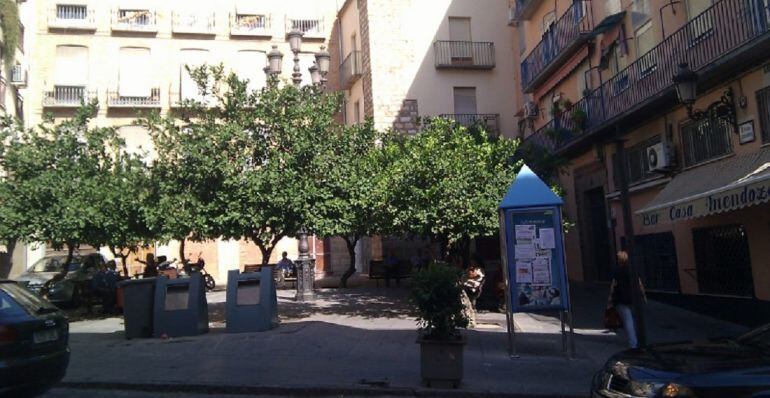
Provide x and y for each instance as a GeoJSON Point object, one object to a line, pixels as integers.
{"type": "Point", "coordinates": [524, 9]}
{"type": "Point", "coordinates": [464, 54]}
{"type": "Point", "coordinates": [312, 28]}
{"type": "Point", "coordinates": [491, 121]}
{"type": "Point", "coordinates": [115, 100]}
{"type": "Point", "coordinates": [560, 40]}
{"type": "Point", "coordinates": [193, 23]}
{"type": "Point", "coordinates": [71, 16]}
{"type": "Point", "coordinates": [134, 20]}
{"type": "Point", "coordinates": [250, 25]}
{"type": "Point", "coordinates": [351, 69]}
{"type": "Point", "coordinates": [722, 29]}
{"type": "Point", "coordinates": [67, 96]}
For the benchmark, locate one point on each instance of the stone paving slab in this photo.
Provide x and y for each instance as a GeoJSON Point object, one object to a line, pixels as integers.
{"type": "Point", "coordinates": [363, 339]}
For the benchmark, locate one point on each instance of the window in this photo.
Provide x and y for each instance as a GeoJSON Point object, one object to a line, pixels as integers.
{"type": "Point", "coordinates": [548, 20]}
{"type": "Point", "coordinates": [763, 105]}
{"type": "Point", "coordinates": [645, 44]}
{"type": "Point", "coordinates": [459, 34]}
{"type": "Point", "coordinates": [251, 21]}
{"type": "Point", "coordinates": [71, 66]}
{"type": "Point", "coordinates": [640, 12]}
{"type": "Point", "coordinates": [357, 112]}
{"type": "Point", "coordinates": [190, 58]}
{"type": "Point", "coordinates": [618, 61]}
{"type": "Point", "coordinates": [700, 24]}
{"type": "Point", "coordinates": [657, 254]}
{"type": "Point", "coordinates": [637, 162]}
{"type": "Point", "coordinates": [138, 142]}
{"type": "Point", "coordinates": [722, 261]}
{"type": "Point", "coordinates": [249, 65]}
{"type": "Point", "coordinates": [705, 140]}
{"type": "Point", "coordinates": [135, 17]}
{"type": "Point", "coordinates": [465, 100]}
{"type": "Point", "coordinates": [134, 71]}
{"type": "Point", "coordinates": [71, 11]}
{"type": "Point", "coordinates": [306, 26]}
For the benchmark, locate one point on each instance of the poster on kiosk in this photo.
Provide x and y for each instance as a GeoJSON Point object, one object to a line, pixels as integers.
{"type": "Point", "coordinates": [532, 250]}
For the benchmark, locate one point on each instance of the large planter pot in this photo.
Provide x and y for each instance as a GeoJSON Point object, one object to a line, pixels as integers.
{"type": "Point", "coordinates": [441, 361]}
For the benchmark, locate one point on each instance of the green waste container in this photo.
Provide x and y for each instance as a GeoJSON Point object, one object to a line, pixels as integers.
{"type": "Point", "coordinates": [139, 298]}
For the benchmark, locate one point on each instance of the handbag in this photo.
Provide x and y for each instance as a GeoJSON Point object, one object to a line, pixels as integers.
{"type": "Point", "coordinates": [612, 319]}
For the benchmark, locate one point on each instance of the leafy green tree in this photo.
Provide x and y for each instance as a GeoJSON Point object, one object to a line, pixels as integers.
{"type": "Point", "coordinates": [243, 165]}
{"type": "Point", "coordinates": [447, 182]}
{"type": "Point", "coordinates": [57, 171]}
{"type": "Point", "coordinates": [352, 184]}
{"type": "Point", "coordinates": [12, 225]}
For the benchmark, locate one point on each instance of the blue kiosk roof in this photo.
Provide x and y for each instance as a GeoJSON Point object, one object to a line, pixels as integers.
{"type": "Point", "coordinates": [528, 190]}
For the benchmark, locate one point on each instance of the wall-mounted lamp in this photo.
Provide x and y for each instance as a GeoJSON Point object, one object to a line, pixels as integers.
{"type": "Point", "coordinates": [686, 89]}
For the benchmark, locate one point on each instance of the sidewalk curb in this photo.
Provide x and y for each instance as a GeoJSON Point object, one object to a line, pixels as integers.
{"type": "Point", "coordinates": [299, 391]}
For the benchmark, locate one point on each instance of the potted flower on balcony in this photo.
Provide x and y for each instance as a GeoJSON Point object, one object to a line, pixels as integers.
{"type": "Point", "coordinates": [578, 117]}
{"type": "Point", "coordinates": [437, 292]}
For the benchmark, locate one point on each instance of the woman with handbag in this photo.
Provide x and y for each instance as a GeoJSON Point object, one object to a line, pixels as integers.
{"type": "Point", "coordinates": [620, 300]}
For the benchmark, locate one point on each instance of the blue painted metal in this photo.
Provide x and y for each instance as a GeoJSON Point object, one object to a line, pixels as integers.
{"type": "Point", "coordinates": [251, 317]}
{"type": "Point", "coordinates": [192, 319]}
{"type": "Point", "coordinates": [528, 190]}
{"type": "Point", "coordinates": [723, 28]}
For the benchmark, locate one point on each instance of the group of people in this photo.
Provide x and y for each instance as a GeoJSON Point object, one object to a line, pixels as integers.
{"type": "Point", "coordinates": [104, 285]}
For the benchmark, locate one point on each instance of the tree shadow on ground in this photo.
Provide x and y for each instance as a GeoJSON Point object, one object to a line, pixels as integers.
{"type": "Point", "coordinates": [369, 303]}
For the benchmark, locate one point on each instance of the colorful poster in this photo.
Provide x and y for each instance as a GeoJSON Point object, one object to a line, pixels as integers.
{"type": "Point", "coordinates": [523, 272]}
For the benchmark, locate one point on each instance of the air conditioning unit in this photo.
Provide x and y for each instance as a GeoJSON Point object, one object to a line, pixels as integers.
{"type": "Point", "coordinates": [530, 110]}
{"type": "Point", "coordinates": [659, 157]}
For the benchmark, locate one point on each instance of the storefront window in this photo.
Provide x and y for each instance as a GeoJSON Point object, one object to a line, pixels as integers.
{"type": "Point", "coordinates": [722, 261]}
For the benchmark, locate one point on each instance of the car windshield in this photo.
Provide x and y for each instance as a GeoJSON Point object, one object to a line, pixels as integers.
{"type": "Point", "coordinates": [759, 338]}
{"type": "Point", "coordinates": [54, 264]}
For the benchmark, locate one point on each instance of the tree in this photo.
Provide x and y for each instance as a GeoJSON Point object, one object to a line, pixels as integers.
{"type": "Point", "coordinates": [243, 164]}
{"type": "Point", "coordinates": [12, 226]}
{"type": "Point", "coordinates": [353, 170]}
{"type": "Point", "coordinates": [57, 171]}
{"type": "Point", "coordinates": [446, 182]}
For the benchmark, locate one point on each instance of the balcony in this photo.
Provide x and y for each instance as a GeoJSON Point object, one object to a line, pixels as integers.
{"type": "Point", "coordinates": [115, 100]}
{"type": "Point", "coordinates": [523, 9]}
{"type": "Point", "coordinates": [561, 40]}
{"type": "Point", "coordinates": [131, 20]}
{"type": "Point", "coordinates": [193, 23]}
{"type": "Point", "coordinates": [351, 69]}
{"type": "Point", "coordinates": [18, 76]}
{"type": "Point", "coordinates": [464, 55]}
{"type": "Point", "coordinates": [71, 17]}
{"type": "Point", "coordinates": [312, 28]}
{"type": "Point", "coordinates": [255, 25]}
{"type": "Point", "coordinates": [724, 40]}
{"type": "Point", "coordinates": [67, 96]}
{"type": "Point", "coordinates": [176, 100]}
{"type": "Point", "coordinates": [491, 121]}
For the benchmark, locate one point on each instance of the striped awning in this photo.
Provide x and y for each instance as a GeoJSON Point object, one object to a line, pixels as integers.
{"type": "Point", "coordinates": [719, 187]}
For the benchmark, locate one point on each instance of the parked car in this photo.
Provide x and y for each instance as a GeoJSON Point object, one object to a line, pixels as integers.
{"type": "Point", "coordinates": [69, 290]}
{"type": "Point", "coordinates": [728, 367]}
{"type": "Point", "coordinates": [34, 337]}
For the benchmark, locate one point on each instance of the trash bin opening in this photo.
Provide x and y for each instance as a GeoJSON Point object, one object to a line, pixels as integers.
{"type": "Point", "coordinates": [248, 292]}
{"type": "Point", "coordinates": [177, 297]}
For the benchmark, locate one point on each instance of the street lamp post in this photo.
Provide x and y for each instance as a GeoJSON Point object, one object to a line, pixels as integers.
{"type": "Point", "coordinates": [295, 43]}
{"type": "Point", "coordinates": [305, 269]}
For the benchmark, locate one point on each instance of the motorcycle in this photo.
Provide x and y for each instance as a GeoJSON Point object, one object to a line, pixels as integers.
{"type": "Point", "coordinates": [199, 266]}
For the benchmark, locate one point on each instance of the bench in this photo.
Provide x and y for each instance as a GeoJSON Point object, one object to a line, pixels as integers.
{"type": "Point", "coordinates": [278, 276]}
{"type": "Point", "coordinates": [377, 271]}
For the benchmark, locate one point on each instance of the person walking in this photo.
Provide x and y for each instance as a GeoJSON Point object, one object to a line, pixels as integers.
{"type": "Point", "coordinates": [620, 297]}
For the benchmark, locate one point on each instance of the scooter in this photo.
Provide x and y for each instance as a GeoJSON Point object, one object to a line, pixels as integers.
{"type": "Point", "coordinates": [199, 266]}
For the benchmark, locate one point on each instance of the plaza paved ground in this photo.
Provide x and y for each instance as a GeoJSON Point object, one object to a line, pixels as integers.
{"type": "Point", "coordinates": [359, 341]}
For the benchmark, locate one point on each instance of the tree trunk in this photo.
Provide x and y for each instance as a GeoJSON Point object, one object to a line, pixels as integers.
{"type": "Point", "coordinates": [351, 244]}
{"type": "Point", "coordinates": [6, 261]}
{"type": "Point", "coordinates": [443, 247]}
{"type": "Point", "coordinates": [181, 251]}
{"type": "Point", "coordinates": [123, 259]}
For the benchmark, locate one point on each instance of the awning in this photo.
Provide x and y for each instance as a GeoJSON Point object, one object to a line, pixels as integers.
{"type": "Point", "coordinates": [608, 23]}
{"type": "Point", "coordinates": [719, 187]}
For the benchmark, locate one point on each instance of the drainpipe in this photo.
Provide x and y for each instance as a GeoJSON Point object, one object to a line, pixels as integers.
{"type": "Point", "coordinates": [628, 228]}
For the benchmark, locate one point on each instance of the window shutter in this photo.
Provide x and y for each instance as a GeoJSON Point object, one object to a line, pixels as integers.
{"type": "Point", "coordinates": [135, 70]}
{"type": "Point", "coordinates": [71, 66]}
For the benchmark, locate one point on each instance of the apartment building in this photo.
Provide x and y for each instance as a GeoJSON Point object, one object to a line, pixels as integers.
{"type": "Point", "coordinates": [130, 56]}
{"type": "Point", "coordinates": [13, 81]}
{"type": "Point", "coordinates": [400, 60]}
{"type": "Point", "coordinates": [599, 90]}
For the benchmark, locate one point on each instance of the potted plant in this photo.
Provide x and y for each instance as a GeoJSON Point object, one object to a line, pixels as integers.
{"type": "Point", "coordinates": [578, 117]}
{"type": "Point", "coordinates": [437, 292]}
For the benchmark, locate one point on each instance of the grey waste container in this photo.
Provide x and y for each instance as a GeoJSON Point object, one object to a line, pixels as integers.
{"type": "Point", "coordinates": [180, 307]}
{"type": "Point", "coordinates": [252, 304]}
{"type": "Point", "coordinates": [138, 299]}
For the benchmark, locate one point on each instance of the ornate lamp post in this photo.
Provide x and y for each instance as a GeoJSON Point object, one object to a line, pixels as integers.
{"type": "Point", "coordinates": [295, 43]}
{"type": "Point", "coordinates": [305, 269]}
{"type": "Point", "coordinates": [687, 88]}
{"type": "Point", "coordinates": [323, 59]}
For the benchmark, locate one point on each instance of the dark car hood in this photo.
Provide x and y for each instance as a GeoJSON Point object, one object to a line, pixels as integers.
{"type": "Point", "coordinates": [692, 358]}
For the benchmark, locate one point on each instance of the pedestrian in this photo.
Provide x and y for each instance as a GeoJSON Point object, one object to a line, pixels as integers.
{"type": "Point", "coordinates": [391, 267]}
{"type": "Point", "coordinates": [150, 267]}
{"type": "Point", "coordinates": [285, 265]}
{"type": "Point", "coordinates": [620, 297]}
